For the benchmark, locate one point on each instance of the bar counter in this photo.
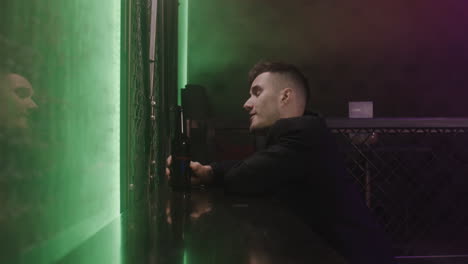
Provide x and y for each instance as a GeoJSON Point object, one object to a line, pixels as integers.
{"type": "Point", "coordinates": [208, 226]}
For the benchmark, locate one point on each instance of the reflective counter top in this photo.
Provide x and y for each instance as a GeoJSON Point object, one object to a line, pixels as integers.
{"type": "Point", "coordinates": [207, 226]}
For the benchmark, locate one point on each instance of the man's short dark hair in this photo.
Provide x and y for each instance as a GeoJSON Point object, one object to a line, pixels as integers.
{"type": "Point", "coordinates": [289, 70]}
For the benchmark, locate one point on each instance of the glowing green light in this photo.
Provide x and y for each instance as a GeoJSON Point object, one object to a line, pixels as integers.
{"type": "Point", "coordinates": [183, 46]}
{"type": "Point", "coordinates": [78, 198]}
{"type": "Point", "coordinates": [185, 257]}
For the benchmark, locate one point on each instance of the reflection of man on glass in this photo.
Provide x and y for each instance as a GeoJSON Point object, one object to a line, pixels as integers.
{"type": "Point", "coordinates": [18, 201]}
{"type": "Point", "coordinates": [16, 93]}
{"type": "Point", "coordinates": [16, 101]}
{"type": "Point", "coordinates": [299, 166]}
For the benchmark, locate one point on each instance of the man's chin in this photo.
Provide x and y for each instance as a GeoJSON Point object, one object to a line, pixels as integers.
{"type": "Point", "coordinates": [19, 124]}
{"type": "Point", "coordinates": [257, 129]}
{"type": "Point", "coordinates": [253, 127]}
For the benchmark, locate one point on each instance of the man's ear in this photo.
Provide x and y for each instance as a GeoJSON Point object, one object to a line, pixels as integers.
{"type": "Point", "coordinates": [286, 95]}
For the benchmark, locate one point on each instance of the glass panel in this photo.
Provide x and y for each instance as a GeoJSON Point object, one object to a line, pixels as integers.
{"type": "Point", "coordinates": [59, 129]}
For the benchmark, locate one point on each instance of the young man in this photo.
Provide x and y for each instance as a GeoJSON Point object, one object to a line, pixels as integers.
{"type": "Point", "coordinates": [300, 166]}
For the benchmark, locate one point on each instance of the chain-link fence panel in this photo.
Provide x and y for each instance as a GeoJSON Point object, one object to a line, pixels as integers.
{"type": "Point", "coordinates": [413, 176]}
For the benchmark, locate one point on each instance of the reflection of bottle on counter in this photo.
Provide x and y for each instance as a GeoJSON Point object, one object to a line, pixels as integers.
{"type": "Point", "coordinates": [179, 203]}
{"type": "Point", "coordinates": [180, 168]}
{"type": "Point", "coordinates": [180, 216]}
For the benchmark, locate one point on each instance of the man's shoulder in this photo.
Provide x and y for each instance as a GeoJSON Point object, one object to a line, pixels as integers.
{"type": "Point", "coordinates": [303, 130]}
{"type": "Point", "coordinates": [305, 122]}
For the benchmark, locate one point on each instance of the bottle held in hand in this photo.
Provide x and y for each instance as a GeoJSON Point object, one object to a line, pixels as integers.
{"type": "Point", "coordinates": [180, 166]}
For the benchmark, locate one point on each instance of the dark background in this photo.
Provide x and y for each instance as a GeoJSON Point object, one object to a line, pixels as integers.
{"type": "Point", "coordinates": [408, 57]}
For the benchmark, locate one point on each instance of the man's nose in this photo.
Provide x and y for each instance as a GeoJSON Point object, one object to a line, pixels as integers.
{"type": "Point", "coordinates": [248, 105]}
{"type": "Point", "coordinates": [31, 104]}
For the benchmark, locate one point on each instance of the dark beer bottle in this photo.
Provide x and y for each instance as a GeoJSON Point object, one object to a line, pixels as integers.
{"type": "Point", "coordinates": [180, 169]}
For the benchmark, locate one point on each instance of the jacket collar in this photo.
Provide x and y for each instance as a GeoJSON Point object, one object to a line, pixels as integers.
{"type": "Point", "coordinates": [296, 128]}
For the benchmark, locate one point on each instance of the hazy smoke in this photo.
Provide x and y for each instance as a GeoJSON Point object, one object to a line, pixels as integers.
{"type": "Point", "coordinates": [410, 58]}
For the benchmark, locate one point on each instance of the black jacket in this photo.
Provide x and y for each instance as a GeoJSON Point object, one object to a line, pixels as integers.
{"type": "Point", "coordinates": [301, 167]}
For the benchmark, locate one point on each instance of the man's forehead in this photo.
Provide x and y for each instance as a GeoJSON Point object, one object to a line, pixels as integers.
{"type": "Point", "coordinates": [17, 80]}
{"type": "Point", "coordinates": [266, 80]}
{"type": "Point", "coordinates": [262, 79]}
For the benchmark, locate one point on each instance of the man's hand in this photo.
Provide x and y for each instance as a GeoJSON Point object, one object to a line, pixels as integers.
{"type": "Point", "coordinates": [202, 174]}
{"type": "Point", "coordinates": [168, 166]}
{"type": "Point", "coordinates": [201, 204]}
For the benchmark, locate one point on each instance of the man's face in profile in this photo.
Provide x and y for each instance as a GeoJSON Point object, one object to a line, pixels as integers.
{"type": "Point", "coordinates": [15, 101]}
{"type": "Point", "coordinates": [264, 101]}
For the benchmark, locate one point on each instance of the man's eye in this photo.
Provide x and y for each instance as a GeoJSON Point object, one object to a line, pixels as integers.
{"type": "Point", "coordinates": [22, 92]}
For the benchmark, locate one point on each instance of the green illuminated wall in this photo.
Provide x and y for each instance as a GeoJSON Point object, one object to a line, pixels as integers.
{"type": "Point", "coordinates": [183, 25]}
{"type": "Point", "coordinates": [60, 176]}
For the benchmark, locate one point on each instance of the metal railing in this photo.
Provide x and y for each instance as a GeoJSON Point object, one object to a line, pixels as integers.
{"type": "Point", "coordinates": [413, 175]}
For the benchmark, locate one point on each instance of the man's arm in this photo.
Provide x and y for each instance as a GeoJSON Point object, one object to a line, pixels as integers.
{"type": "Point", "coordinates": [220, 169]}
{"type": "Point", "coordinates": [262, 173]}
{"type": "Point", "coordinates": [212, 174]}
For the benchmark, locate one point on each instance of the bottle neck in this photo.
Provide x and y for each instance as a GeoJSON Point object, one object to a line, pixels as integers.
{"type": "Point", "coordinates": [184, 125]}
{"type": "Point", "coordinates": [182, 121]}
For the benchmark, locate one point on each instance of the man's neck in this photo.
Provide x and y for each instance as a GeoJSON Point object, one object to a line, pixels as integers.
{"type": "Point", "coordinates": [292, 114]}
